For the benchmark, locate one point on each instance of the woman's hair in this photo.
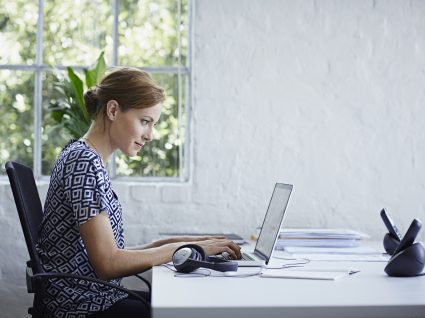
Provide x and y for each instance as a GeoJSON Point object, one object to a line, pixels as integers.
{"type": "Point", "coordinates": [130, 87]}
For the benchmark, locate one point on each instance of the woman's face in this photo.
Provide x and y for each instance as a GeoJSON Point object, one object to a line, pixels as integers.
{"type": "Point", "coordinates": [131, 129]}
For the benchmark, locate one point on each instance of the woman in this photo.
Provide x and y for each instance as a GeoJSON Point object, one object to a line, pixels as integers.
{"type": "Point", "coordinates": [82, 231]}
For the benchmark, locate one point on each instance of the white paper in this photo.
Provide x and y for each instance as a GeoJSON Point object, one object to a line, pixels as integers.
{"type": "Point", "coordinates": [359, 250]}
{"type": "Point", "coordinates": [344, 257]}
{"type": "Point", "coordinates": [325, 274]}
{"type": "Point", "coordinates": [322, 233]}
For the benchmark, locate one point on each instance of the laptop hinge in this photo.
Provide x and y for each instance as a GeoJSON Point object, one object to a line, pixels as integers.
{"type": "Point", "coordinates": [260, 255]}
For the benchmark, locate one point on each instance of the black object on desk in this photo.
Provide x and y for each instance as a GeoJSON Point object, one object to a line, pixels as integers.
{"type": "Point", "coordinates": [408, 258]}
{"type": "Point", "coordinates": [393, 237]}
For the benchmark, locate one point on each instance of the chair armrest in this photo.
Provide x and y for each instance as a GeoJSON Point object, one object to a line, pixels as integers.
{"type": "Point", "coordinates": [28, 277]}
{"type": "Point", "coordinates": [37, 278]}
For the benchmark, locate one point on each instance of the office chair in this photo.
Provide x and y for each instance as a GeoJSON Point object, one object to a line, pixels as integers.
{"type": "Point", "coordinates": [30, 212]}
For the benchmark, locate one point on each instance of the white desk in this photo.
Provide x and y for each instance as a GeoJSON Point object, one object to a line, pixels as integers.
{"type": "Point", "coordinates": [370, 293]}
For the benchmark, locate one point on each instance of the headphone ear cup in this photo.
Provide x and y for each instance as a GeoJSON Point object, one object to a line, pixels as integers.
{"type": "Point", "coordinates": [185, 258]}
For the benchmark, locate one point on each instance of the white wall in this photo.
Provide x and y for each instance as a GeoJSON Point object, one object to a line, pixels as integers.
{"type": "Point", "coordinates": [327, 95]}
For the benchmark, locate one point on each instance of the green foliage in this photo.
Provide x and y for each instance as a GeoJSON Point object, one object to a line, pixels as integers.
{"type": "Point", "coordinates": [16, 117]}
{"type": "Point", "coordinates": [95, 75]}
{"type": "Point", "coordinates": [69, 111]}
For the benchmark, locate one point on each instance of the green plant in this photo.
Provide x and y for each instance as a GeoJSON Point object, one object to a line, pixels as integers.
{"type": "Point", "coordinates": [69, 111]}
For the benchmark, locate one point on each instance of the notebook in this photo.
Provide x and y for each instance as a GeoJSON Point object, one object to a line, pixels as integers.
{"type": "Point", "coordinates": [269, 230]}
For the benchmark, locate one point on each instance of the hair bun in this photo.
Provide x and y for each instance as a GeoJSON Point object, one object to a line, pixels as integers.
{"type": "Point", "coordinates": [91, 101]}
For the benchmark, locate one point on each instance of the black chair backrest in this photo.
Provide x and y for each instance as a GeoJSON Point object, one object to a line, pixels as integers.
{"type": "Point", "coordinates": [29, 207]}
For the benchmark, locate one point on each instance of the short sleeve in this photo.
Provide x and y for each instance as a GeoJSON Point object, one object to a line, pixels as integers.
{"type": "Point", "coordinates": [85, 188]}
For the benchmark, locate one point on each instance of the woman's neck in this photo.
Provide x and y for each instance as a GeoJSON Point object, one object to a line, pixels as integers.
{"type": "Point", "coordinates": [98, 139]}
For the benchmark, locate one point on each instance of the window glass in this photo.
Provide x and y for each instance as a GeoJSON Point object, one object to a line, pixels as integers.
{"type": "Point", "coordinates": [16, 113]}
{"type": "Point", "coordinates": [148, 33]}
{"type": "Point", "coordinates": [18, 26]}
{"type": "Point", "coordinates": [75, 31]}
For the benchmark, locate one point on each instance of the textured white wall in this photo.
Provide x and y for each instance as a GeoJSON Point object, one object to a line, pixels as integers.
{"type": "Point", "coordinates": [327, 95]}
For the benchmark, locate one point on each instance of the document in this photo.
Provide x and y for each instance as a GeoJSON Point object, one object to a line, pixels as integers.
{"type": "Point", "coordinates": [319, 238]}
{"type": "Point", "coordinates": [300, 242]}
{"type": "Point", "coordinates": [344, 257]}
{"type": "Point", "coordinates": [359, 250]}
{"type": "Point", "coordinates": [308, 273]}
{"type": "Point", "coordinates": [322, 233]}
{"type": "Point", "coordinates": [352, 254]}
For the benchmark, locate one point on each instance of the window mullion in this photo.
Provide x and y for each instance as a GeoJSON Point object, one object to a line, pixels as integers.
{"type": "Point", "coordinates": [115, 40]}
{"type": "Point", "coordinates": [179, 87]}
{"type": "Point", "coordinates": [38, 85]}
{"type": "Point", "coordinates": [188, 93]}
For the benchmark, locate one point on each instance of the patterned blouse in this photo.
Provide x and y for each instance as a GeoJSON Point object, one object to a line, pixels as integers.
{"type": "Point", "coordinates": [79, 190]}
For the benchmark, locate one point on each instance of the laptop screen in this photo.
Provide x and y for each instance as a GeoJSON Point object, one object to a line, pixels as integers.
{"type": "Point", "coordinates": [273, 220]}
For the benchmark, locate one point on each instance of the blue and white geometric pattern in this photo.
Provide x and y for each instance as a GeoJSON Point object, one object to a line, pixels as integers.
{"type": "Point", "coordinates": [79, 189]}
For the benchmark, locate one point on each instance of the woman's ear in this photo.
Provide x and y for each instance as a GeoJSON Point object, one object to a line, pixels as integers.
{"type": "Point", "coordinates": [111, 109]}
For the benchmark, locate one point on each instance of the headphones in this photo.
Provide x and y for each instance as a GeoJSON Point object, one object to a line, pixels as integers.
{"type": "Point", "coordinates": [407, 257]}
{"type": "Point", "coordinates": [190, 257]}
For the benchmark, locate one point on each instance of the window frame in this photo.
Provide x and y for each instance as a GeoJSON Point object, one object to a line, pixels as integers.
{"type": "Point", "coordinates": [183, 72]}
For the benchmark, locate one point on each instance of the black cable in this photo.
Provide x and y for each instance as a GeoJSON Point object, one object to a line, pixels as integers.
{"type": "Point", "coordinates": [145, 281]}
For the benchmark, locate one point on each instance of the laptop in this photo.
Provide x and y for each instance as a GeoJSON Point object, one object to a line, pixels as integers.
{"type": "Point", "coordinates": [270, 229]}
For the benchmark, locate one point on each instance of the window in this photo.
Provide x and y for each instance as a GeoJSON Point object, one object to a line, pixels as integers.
{"type": "Point", "coordinates": [40, 39]}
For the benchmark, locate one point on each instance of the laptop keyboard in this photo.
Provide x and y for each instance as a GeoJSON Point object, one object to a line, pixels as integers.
{"type": "Point", "coordinates": [246, 257]}
{"type": "Point", "coordinates": [226, 256]}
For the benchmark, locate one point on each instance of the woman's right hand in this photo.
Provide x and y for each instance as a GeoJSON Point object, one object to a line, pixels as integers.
{"type": "Point", "coordinates": [217, 245]}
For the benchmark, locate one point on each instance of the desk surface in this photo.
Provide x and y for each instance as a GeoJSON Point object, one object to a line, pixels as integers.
{"type": "Point", "coordinates": [369, 293]}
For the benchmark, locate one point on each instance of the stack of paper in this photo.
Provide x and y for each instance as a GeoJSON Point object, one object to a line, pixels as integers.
{"type": "Point", "coordinates": [319, 238]}
{"type": "Point", "coordinates": [352, 254]}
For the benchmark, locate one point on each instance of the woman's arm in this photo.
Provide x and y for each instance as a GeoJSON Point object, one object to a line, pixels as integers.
{"type": "Point", "coordinates": [176, 239]}
{"type": "Point", "coordinates": [111, 262]}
